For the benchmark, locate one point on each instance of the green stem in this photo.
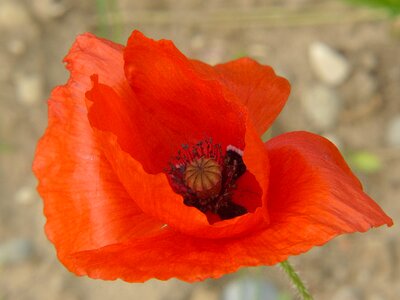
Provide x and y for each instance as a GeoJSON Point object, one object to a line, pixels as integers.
{"type": "Point", "coordinates": [294, 277]}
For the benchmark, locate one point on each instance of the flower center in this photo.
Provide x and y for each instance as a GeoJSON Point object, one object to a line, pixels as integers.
{"type": "Point", "coordinates": [206, 178]}
{"type": "Point", "coordinates": [203, 176]}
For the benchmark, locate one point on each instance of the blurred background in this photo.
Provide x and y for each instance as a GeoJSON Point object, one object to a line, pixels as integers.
{"type": "Point", "coordinates": [343, 60]}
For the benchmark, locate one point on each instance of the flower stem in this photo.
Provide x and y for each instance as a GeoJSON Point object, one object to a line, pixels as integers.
{"type": "Point", "coordinates": [294, 277]}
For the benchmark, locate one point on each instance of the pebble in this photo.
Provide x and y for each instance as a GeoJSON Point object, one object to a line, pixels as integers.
{"type": "Point", "coordinates": [29, 88]}
{"type": "Point", "coordinates": [25, 195]}
{"type": "Point", "coordinates": [13, 15]}
{"type": "Point", "coordinates": [393, 132]}
{"type": "Point", "coordinates": [16, 23]}
{"type": "Point", "coordinates": [322, 105]}
{"type": "Point", "coordinates": [197, 42]}
{"type": "Point", "coordinates": [346, 293]}
{"type": "Point", "coordinates": [15, 251]}
{"type": "Point", "coordinates": [249, 289]}
{"type": "Point", "coordinates": [328, 65]}
{"type": "Point", "coordinates": [202, 293]}
{"type": "Point", "coordinates": [363, 86]}
{"type": "Point", "coordinates": [16, 46]}
{"type": "Point", "coordinates": [48, 9]}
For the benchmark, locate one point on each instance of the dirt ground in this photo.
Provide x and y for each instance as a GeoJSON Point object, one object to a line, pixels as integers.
{"type": "Point", "coordinates": [363, 110]}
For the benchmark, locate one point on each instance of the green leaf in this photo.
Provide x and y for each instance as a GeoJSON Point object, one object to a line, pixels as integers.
{"type": "Point", "coordinates": [365, 162]}
{"type": "Point", "coordinates": [392, 6]}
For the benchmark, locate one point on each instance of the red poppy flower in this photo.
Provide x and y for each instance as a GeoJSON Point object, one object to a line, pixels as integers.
{"type": "Point", "coordinates": [152, 167]}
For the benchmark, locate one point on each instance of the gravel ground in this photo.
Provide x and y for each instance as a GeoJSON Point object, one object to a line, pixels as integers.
{"type": "Point", "coordinates": [344, 66]}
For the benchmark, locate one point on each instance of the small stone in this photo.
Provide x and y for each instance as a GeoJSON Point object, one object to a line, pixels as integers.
{"type": "Point", "coordinates": [328, 65]}
{"type": "Point", "coordinates": [15, 251]}
{"type": "Point", "coordinates": [13, 15]}
{"type": "Point", "coordinates": [29, 88]}
{"type": "Point", "coordinates": [25, 195]}
{"type": "Point", "coordinates": [16, 46]}
{"type": "Point", "coordinates": [393, 132]}
{"type": "Point", "coordinates": [346, 293]}
{"type": "Point", "coordinates": [249, 288]}
{"type": "Point", "coordinates": [202, 293]}
{"type": "Point", "coordinates": [197, 42]}
{"type": "Point", "coordinates": [16, 23]}
{"type": "Point", "coordinates": [322, 105]}
{"type": "Point", "coordinates": [363, 85]}
{"type": "Point", "coordinates": [49, 9]}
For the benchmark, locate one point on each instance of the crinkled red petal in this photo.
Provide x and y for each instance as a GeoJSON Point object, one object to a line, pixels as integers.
{"type": "Point", "coordinates": [257, 87]}
{"type": "Point", "coordinates": [312, 184]}
{"type": "Point", "coordinates": [176, 104]}
{"type": "Point", "coordinates": [152, 192]}
{"type": "Point", "coordinates": [313, 197]}
{"type": "Point", "coordinates": [84, 202]}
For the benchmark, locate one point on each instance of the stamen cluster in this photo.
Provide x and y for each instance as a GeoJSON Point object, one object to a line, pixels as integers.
{"type": "Point", "coordinates": [206, 177]}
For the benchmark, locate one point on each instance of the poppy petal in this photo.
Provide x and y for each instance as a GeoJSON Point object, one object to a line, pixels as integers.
{"type": "Point", "coordinates": [313, 197]}
{"type": "Point", "coordinates": [257, 162]}
{"type": "Point", "coordinates": [248, 192]}
{"type": "Point", "coordinates": [95, 56]}
{"type": "Point", "coordinates": [257, 87]}
{"type": "Point", "coordinates": [84, 202]}
{"type": "Point", "coordinates": [312, 185]}
{"type": "Point", "coordinates": [152, 192]}
{"type": "Point", "coordinates": [92, 55]}
{"type": "Point", "coordinates": [177, 104]}
{"type": "Point", "coordinates": [163, 256]}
